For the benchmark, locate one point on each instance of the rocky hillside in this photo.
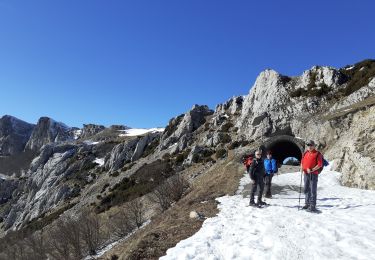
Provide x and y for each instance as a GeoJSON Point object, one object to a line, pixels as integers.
{"type": "Point", "coordinates": [51, 171]}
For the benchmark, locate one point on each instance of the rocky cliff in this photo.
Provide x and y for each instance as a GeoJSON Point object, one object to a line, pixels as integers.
{"type": "Point", "coordinates": [47, 131]}
{"type": "Point", "coordinates": [14, 134]}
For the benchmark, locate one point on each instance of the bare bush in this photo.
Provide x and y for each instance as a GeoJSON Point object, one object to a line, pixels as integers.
{"type": "Point", "coordinates": [178, 186]}
{"type": "Point", "coordinates": [64, 240]}
{"type": "Point", "coordinates": [91, 231]}
{"type": "Point", "coordinates": [36, 245]}
{"type": "Point", "coordinates": [120, 224]}
{"type": "Point", "coordinates": [136, 212]}
{"type": "Point", "coordinates": [169, 192]}
{"type": "Point", "coordinates": [127, 219]}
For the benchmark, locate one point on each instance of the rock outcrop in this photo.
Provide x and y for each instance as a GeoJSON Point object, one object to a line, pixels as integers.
{"type": "Point", "coordinates": [14, 134]}
{"type": "Point", "coordinates": [89, 130]}
{"type": "Point", "coordinates": [47, 131]}
{"type": "Point", "coordinates": [180, 128]}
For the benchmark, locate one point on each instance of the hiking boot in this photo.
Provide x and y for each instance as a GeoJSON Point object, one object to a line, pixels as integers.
{"type": "Point", "coordinates": [261, 203]}
{"type": "Point", "coordinates": [305, 207]}
{"type": "Point", "coordinates": [252, 203]}
{"type": "Point", "coordinates": [268, 196]}
{"type": "Point", "coordinates": [312, 209]}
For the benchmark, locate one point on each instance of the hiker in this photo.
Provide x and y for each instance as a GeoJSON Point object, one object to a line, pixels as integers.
{"type": "Point", "coordinates": [270, 165]}
{"type": "Point", "coordinates": [257, 173]}
{"type": "Point", "coordinates": [311, 163]}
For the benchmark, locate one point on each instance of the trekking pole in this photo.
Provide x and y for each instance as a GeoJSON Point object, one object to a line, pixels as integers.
{"type": "Point", "coordinates": [300, 188]}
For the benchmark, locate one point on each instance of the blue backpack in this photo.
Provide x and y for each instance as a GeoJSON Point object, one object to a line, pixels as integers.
{"type": "Point", "coordinates": [325, 163]}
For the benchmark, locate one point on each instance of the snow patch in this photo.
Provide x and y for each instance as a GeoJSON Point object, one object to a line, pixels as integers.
{"type": "Point", "coordinates": [4, 177]}
{"type": "Point", "coordinates": [89, 142]}
{"type": "Point", "coordinates": [77, 133]}
{"type": "Point", "coordinates": [140, 131]}
{"type": "Point", "coordinates": [99, 161]}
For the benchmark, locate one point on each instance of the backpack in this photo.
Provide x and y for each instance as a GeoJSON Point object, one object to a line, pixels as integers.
{"type": "Point", "coordinates": [247, 161]}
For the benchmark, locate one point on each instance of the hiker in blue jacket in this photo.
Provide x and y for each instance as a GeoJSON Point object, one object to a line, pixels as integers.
{"type": "Point", "coordinates": [270, 165]}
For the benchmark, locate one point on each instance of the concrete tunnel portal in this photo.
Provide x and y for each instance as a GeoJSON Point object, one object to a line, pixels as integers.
{"type": "Point", "coordinates": [284, 146]}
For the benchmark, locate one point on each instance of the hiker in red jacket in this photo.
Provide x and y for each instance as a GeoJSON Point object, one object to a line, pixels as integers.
{"type": "Point", "coordinates": [311, 162]}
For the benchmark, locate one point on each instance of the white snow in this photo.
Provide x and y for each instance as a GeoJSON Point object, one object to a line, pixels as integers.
{"type": "Point", "coordinates": [99, 161]}
{"type": "Point", "coordinates": [77, 133]}
{"type": "Point", "coordinates": [4, 177]}
{"type": "Point", "coordinates": [140, 131]}
{"type": "Point", "coordinates": [349, 68]}
{"type": "Point", "coordinates": [344, 230]}
{"type": "Point", "coordinates": [89, 142]}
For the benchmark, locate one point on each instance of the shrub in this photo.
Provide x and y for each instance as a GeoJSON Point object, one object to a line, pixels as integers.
{"type": "Point", "coordinates": [221, 153]}
{"type": "Point", "coordinates": [225, 127]}
{"type": "Point", "coordinates": [358, 76]}
{"type": "Point", "coordinates": [225, 138]}
{"type": "Point", "coordinates": [180, 158]}
{"type": "Point", "coordinates": [114, 174]}
{"type": "Point", "coordinates": [170, 191]}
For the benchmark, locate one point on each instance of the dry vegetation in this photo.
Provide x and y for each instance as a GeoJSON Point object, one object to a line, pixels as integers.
{"type": "Point", "coordinates": [174, 224]}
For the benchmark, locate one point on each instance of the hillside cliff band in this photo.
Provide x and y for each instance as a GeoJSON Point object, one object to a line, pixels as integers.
{"type": "Point", "coordinates": [261, 172]}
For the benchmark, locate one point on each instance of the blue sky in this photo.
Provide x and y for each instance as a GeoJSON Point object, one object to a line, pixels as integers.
{"type": "Point", "coordinates": [140, 63]}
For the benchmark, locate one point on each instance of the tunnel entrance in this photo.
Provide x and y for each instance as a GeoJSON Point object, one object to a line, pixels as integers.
{"type": "Point", "coordinates": [283, 147]}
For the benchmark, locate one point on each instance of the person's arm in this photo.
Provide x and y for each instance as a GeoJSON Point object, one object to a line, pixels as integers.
{"type": "Point", "coordinates": [319, 163]}
{"type": "Point", "coordinates": [274, 166]}
{"type": "Point", "coordinates": [251, 170]}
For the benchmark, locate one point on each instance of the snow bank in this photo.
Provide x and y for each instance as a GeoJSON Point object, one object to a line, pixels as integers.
{"type": "Point", "coordinates": [140, 131]}
{"type": "Point", "coordinates": [99, 161]}
{"type": "Point", "coordinates": [344, 230]}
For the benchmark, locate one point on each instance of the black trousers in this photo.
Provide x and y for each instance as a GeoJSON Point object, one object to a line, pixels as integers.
{"type": "Point", "coordinates": [258, 182]}
{"type": "Point", "coordinates": [268, 182]}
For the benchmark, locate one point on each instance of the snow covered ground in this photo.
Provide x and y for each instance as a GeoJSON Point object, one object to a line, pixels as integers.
{"type": "Point", "coordinates": [344, 230]}
{"type": "Point", "coordinates": [140, 131]}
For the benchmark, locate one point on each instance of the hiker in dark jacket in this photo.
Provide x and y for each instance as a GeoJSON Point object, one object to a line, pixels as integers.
{"type": "Point", "coordinates": [311, 162]}
{"type": "Point", "coordinates": [270, 166]}
{"type": "Point", "coordinates": [257, 173]}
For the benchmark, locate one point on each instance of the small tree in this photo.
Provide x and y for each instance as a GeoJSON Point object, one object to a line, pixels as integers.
{"type": "Point", "coordinates": [91, 231]}
{"type": "Point", "coordinates": [170, 191]}
{"type": "Point", "coordinates": [64, 240]}
{"type": "Point", "coordinates": [120, 224]}
{"type": "Point", "coordinates": [136, 212]}
{"type": "Point", "coordinates": [37, 245]}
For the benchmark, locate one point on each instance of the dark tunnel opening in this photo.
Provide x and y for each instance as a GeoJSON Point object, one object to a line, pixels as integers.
{"type": "Point", "coordinates": [283, 149]}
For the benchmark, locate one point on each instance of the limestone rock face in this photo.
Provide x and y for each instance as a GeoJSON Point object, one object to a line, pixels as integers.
{"type": "Point", "coordinates": [184, 126]}
{"type": "Point", "coordinates": [14, 134]}
{"type": "Point", "coordinates": [44, 187]}
{"type": "Point", "coordinates": [48, 131]}
{"type": "Point", "coordinates": [312, 106]}
{"type": "Point", "coordinates": [120, 155]}
{"type": "Point", "coordinates": [142, 143]}
{"type": "Point", "coordinates": [90, 130]}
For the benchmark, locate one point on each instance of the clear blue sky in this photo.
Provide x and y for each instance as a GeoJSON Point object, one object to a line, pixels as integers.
{"type": "Point", "coordinates": [141, 63]}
